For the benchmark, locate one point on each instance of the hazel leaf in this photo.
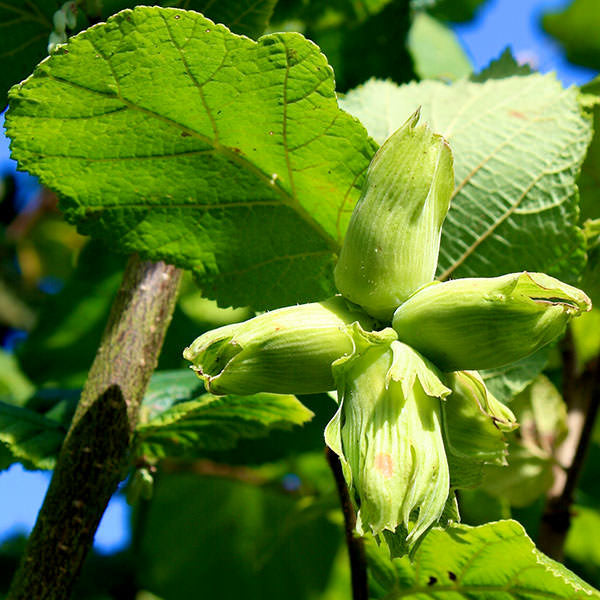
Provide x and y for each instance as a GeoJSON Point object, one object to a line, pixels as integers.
{"type": "Point", "coordinates": [175, 138]}
{"type": "Point", "coordinates": [518, 145]}
{"type": "Point", "coordinates": [496, 560]}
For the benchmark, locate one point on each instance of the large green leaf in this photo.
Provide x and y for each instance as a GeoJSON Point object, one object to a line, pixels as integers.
{"type": "Point", "coordinates": [518, 145]}
{"type": "Point", "coordinates": [171, 136]}
{"type": "Point", "coordinates": [576, 28]}
{"type": "Point", "coordinates": [29, 438]}
{"type": "Point", "coordinates": [493, 561]}
{"type": "Point", "coordinates": [25, 26]}
{"type": "Point", "coordinates": [216, 422]}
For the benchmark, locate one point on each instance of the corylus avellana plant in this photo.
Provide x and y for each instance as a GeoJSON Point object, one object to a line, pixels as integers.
{"type": "Point", "coordinates": [410, 403]}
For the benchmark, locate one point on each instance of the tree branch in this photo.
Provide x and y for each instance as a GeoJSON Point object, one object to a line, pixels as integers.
{"type": "Point", "coordinates": [356, 547]}
{"type": "Point", "coordinates": [582, 396]}
{"type": "Point", "coordinates": [93, 457]}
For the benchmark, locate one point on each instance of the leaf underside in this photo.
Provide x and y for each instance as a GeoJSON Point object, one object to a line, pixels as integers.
{"type": "Point", "coordinates": [518, 144]}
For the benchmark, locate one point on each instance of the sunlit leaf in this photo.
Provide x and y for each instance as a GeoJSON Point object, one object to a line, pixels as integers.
{"type": "Point", "coordinates": [230, 157]}
{"type": "Point", "coordinates": [497, 560]}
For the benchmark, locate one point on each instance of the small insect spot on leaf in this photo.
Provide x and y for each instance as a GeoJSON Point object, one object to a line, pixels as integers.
{"type": "Point", "coordinates": [178, 16]}
{"type": "Point", "coordinates": [237, 150]}
{"type": "Point", "coordinates": [207, 30]}
{"type": "Point", "coordinates": [432, 580]}
{"type": "Point", "coordinates": [270, 133]}
{"type": "Point", "coordinates": [185, 134]}
{"type": "Point", "coordinates": [274, 178]}
{"type": "Point", "coordinates": [452, 576]}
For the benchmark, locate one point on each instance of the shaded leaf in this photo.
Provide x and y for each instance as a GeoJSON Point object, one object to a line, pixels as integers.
{"type": "Point", "coordinates": [586, 335]}
{"type": "Point", "coordinates": [590, 179]}
{"type": "Point", "coordinates": [581, 547]}
{"type": "Point", "coordinates": [450, 10]}
{"type": "Point", "coordinates": [527, 476]}
{"type": "Point", "coordinates": [576, 28]}
{"type": "Point", "coordinates": [591, 275]}
{"type": "Point", "coordinates": [29, 437]}
{"type": "Point", "coordinates": [518, 145]}
{"type": "Point", "coordinates": [503, 66]}
{"type": "Point", "coordinates": [479, 508]}
{"type": "Point", "coordinates": [505, 382]}
{"type": "Point", "coordinates": [435, 50]}
{"type": "Point", "coordinates": [26, 27]}
{"type": "Point", "coordinates": [314, 12]}
{"type": "Point", "coordinates": [15, 388]}
{"type": "Point", "coordinates": [177, 417]}
{"type": "Point", "coordinates": [237, 163]}
{"type": "Point", "coordinates": [166, 388]}
{"type": "Point", "coordinates": [360, 38]}
{"type": "Point", "coordinates": [195, 423]}
{"type": "Point", "coordinates": [228, 539]}
{"type": "Point", "coordinates": [541, 413]}
{"type": "Point", "coordinates": [246, 17]}
{"type": "Point", "coordinates": [61, 347]}
{"type": "Point", "coordinates": [497, 560]}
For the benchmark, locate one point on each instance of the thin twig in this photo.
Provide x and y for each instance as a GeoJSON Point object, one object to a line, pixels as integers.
{"type": "Point", "coordinates": [356, 547]}
{"type": "Point", "coordinates": [582, 395]}
{"type": "Point", "coordinates": [93, 457]}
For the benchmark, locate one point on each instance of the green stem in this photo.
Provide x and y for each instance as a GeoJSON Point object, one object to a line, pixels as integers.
{"type": "Point", "coordinates": [95, 451]}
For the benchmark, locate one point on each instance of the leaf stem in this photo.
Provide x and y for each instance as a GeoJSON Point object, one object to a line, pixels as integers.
{"type": "Point", "coordinates": [356, 547]}
{"type": "Point", "coordinates": [582, 395]}
{"type": "Point", "coordinates": [93, 458]}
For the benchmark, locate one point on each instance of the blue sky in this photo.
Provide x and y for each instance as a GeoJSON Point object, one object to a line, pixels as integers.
{"type": "Point", "coordinates": [516, 23]}
{"type": "Point", "coordinates": [500, 23]}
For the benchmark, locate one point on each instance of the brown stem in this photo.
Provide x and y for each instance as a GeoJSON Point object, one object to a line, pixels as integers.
{"type": "Point", "coordinates": [356, 547]}
{"type": "Point", "coordinates": [94, 454]}
{"type": "Point", "coordinates": [582, 396]}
